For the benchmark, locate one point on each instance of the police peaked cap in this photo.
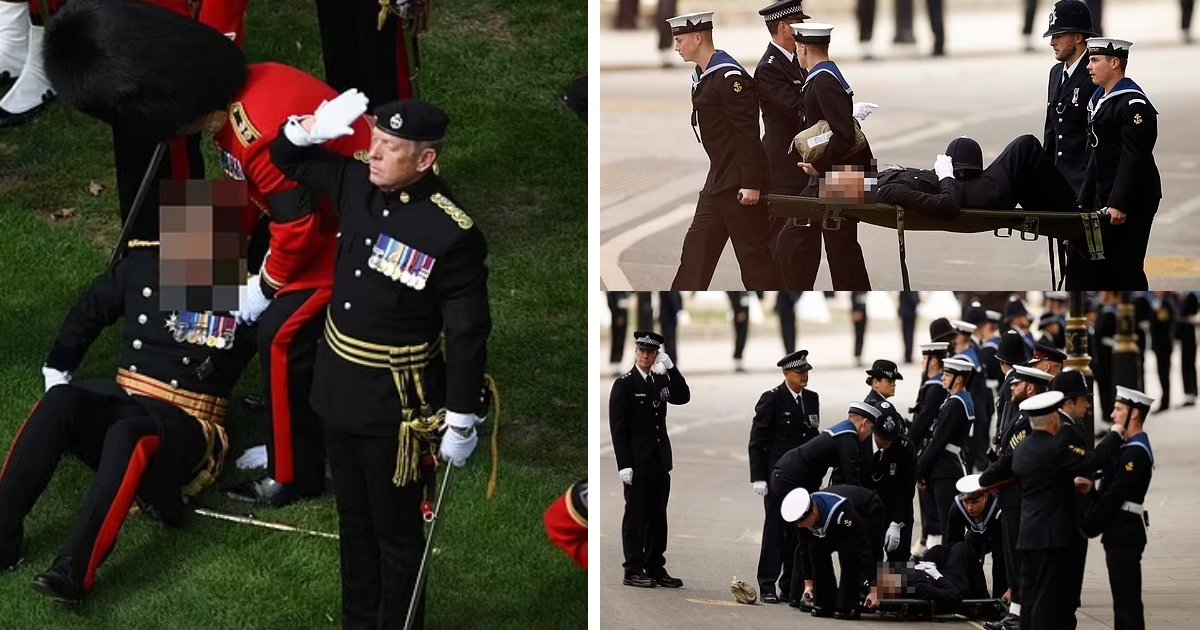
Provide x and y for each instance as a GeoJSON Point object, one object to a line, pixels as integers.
{"type": "Point", "coordinates": [412, 120]}
{"type": "Point", "coordinates": [138, 65]}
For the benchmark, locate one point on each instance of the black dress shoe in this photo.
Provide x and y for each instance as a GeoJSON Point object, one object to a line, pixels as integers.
{"type": "Point", "coordinates": [770, 598]}
{"type": "Point", "coordinates": [847, 614]}
{"type": "Point", "coordinates": [268, 492]}
{"type": "Point", "coordinates": [822, 612]}
{"type": "Point", "coordinates": [1009, 622]}
{"type": "Point", "coordinates": [664, 579]}
{"type": "Point", "coordinates": [59, 583]}
{"type": "Point", "coordinates": [794, 603]}
{"type": "Point", "coordinates": [640, 580]}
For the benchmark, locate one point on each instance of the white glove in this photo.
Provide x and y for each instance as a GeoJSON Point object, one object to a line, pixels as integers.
{"type": "Point", "coordinates": [930, 569]}
{"type": "Point", "coordinates": [943, 166]}
{"type": "Point", "coordinates": [891, 540]}
{"type": "Point", "coordinates": [760, 488]}
{"type": "Point", "coordinates": [664, 359]}
{"type": "Point", "coordinates": [457, 447]}
{"type": "Point", "coordinates": [626, 475]}
{"type": "Point", "coordinates": [251, 302]}
{"type": "Point", "coordinates": [253, 457]}
{"type": "Point", "coordinates": [55, 377]}
{"type": "Point", "coordinates": [862, 110]}
{"type": "Point", "coordinates": [331, 120]}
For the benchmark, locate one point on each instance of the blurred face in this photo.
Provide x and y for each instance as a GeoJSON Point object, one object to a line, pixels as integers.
{"type": "Point", "coordinates": [796, 380]}
{"type": "Point", "coordinates": [1076, 407]}
{"type": "Point", "coordinates": [932, 364]}
{"type": "Point", "coordinates": [882, 442]}
{"type": "Point", "coordinates": [810, 520]}
{"type": "Point", "coordinates": [1020, 322]}
{"type": "Point", "coordinates": [886, 387]}
{"type": "Point", "coordinates": [975, 506]}
{"type": "Point", "coordinates": [1120, 414]}
{"type": "Point", "coordinates": [1065, 45]}
{"type": "Point", "coordinates": [842, 184]}
{"type": "Point", "coordinates": [1021, 390]}
{"type": "Point", "coordinates": [645, 358]}
{"type": "Point", "coordinates": [688, 45]}
{"type": "Point", "coordinates": [397, 162]}
{"type": "Point", "coordinates": [1052, 367]}
{"type": "Point", "coordinates": [1103, 69]}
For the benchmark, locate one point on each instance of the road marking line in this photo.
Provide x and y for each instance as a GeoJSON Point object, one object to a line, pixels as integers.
{"type": "Point", "coordinates": [1175, 214]}
{"type": "Point", "coordinates": [713, 602]}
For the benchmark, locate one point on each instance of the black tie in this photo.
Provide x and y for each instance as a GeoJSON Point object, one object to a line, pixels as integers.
{"type": "Point", "coordinates": [1062, 83]}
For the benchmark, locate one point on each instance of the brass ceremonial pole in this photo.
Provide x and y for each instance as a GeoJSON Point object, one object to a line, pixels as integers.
{"type": "Point", "coordinates": [1127, 370]}
{"type": "Point", "coordinates": [1079, 360]}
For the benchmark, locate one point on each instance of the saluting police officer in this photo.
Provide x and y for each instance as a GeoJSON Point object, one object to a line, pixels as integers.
{"type": "Point", "coordinates": [1118, 511]}
{"type": "Point", "coordinates": [786, 416]}
{"type": "Point", "coordinates": [849, 520]}
{"type": "Point", "coordinates": [405, 341]}
{"type": "Point", "coordinates": [637, 417]}
{"type": "Point", "coordinates": [1070, 86]}
{"type": "Point", "coordinates": [828, 97]}
{"type": "Point", "coordinates": [940, 464]}
{"type": "Point", "coordinates": [780, 78]}
{"type": "Point", "coordinates": [725, 112]}
{"type": "Point", "coordinates": [1122, 179]}
{"type": "Point", "coordinates": [1045, 465]}
{"type": "Point", "coordinates": [1026, 383]}
{"type": "Point", "coordinates": [155, 432]}
{"type": "Point", "coordinates": [891, 471]}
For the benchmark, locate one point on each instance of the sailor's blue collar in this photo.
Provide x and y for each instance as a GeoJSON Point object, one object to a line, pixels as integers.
{"type": "Point", "coordinates": [1141, 440]}
{"type": "Point", "coordinates": [978, 526]}
{"type": "Point", "coordinates": [967, 402]}
{"type": "Point", "coordinates": [719, 60]}
{"type": "Point", "coordinates": [843, 427]}
{"type": "Point", "coordinates": [831, 68]}
{"type": "Point", "coordinates": [827, 503]}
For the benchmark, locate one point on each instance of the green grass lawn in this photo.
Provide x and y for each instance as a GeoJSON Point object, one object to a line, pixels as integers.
{"type": "Point", "coordinates": [517, 160]}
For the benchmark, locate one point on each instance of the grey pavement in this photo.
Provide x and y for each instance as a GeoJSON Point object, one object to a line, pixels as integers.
{"type": "Point", "coordinates": [652, 167]}
{"type": "Point", "coordinates": [715, 519]}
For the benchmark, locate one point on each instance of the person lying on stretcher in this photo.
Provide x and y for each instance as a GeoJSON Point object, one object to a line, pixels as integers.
{"type": "Point", "coordinates": [946, 576]}
{"type": "Point", "coordinates": [1020, 175]}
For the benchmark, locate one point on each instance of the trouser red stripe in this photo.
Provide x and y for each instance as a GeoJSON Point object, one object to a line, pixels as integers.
{"type": "Point", "coordinates": [138, 461]}
{"type": "Point", "coordinates": [281, 404]}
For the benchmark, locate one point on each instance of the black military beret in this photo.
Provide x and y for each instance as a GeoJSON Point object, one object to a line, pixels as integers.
{"type": "Point", "coordinates": [412, 120]}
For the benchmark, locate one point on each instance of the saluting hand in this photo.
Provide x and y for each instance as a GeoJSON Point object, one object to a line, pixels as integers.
{"type": "Point", "coordinates": [747, 196]}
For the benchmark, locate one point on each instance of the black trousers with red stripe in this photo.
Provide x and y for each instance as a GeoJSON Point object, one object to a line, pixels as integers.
{"type": "Point", "coordinates": [382, 534]}
{"type": "Point", "coordinates": [358, 55]}
{"type": "Point", "coordinates": [287, 339]}
{"type": "Point", "coordinates": [132, 151]}
{"type": "Point", "coordinates": [114, 434]}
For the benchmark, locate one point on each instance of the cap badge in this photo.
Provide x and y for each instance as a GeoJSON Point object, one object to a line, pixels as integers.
{"type": "Point", "coordinates": [395, 121]}
{"type": "Point", "coordinates": [1053, 17]}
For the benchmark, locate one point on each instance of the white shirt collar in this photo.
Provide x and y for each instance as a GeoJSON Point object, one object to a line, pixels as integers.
{"type": "Point", "coordinates": [874, 446]}
{"type": "Point", "coordinates": [787, 54]}
{"type": "Point", "coordinates": [795, 394]}
{"type": "Point", "coordinates": [1070, 70]}
{"type": "Point", "coordinates": [645, 375]}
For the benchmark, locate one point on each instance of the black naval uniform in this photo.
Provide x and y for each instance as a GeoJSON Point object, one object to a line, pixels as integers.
{"type": "Point", "coordinates": [892, 474]}
{"type": "Point", "coordinates": [1045, 465]}
{"type": "Point", "coordinates": [851, 523]}
{"type": "Point", "coordinates": [929, 400]}
{"type": "Point", "coordinates": [1117, 512]}
{"type": "Point", "coordinates": [637, 417]}
{"type": "Point", "coordinates": [782, 422]}
{"type": "Point", "coordinates": [1121, 174]}
{"type": "Point", "coordinates": [785, 307]}
{"type": "Point", "coordinates": [798, 250]}
{"type": "Point", "coordinates": [1162, 341]}
{"type": "Point", "coordinates": [858, 311]}
{"type": "Point", "coordinates": [1009, 498]}
{"type": "Point", "coordinates": [618, 309]}
{"type": "Point", "coordinates": [725, 110]}
{"type": "Point", "coordinates": [1072, 432]}
{"type": "Point", "coordinates": [669, 305]}
{"type": "Point", "coordinates": [1105, 332]}
{"type": "Point", "coordinates": [907, 311]}
{"type": "Point", "coordinates": [941, 462]}
{"type": "Point", "coordinates": [393, 355]}
{"type": "Point", "coordinates": [1065, 136]}
{"type": "Point", "coordinates": [739, 303]}
{"type": "Point", "coordinates": [149, 433]}
{"type": "Point", "coordinates": [982, 537]}
{"type": "Point", "coordinates": [780, 78]}
{"type": "Point", "coordinates": [1186, 331]}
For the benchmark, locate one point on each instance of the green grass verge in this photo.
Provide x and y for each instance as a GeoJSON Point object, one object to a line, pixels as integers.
{"type": "Point", "coordinates": [517, 160]}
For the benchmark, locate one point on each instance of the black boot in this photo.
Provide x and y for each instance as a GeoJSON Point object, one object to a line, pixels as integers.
{"type": "Point", "coordinates": [60, 583]}
{"type": "Point", "coordinates": [266, 491]}
{"type": "Point", "coordinates": [639, 579]}
{"type": "Point", "coordinates": [662, 578]}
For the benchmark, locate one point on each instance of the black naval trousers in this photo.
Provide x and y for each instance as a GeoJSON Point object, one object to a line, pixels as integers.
{"type": "Point", "coordinates": [1010, 529]}
{"type": "Point", "coordinates": [132, 151]}
{"type": "Point", "coordinates": [669, 305]}
{"type": "Point", "coordinates": [785, 306]}
{"type": "Point", "coordinates": [1045, 581]}
{"type": "Point", "coordinates": [359, 55]}
{"type": "Point", "coordinates": [1163, 344]}
{"type": "Point", "coordinates": [778, 550]}
{"type": "Point", "coordinates": [798, 250]}
{"type": "Point", "coordinates": [739, 302]}
{"type": "Point", "coordinates": [116, 436]}
{"type": "Point", "coordinates": [931, 521]}
{"type": "Point", "coordinates": [1125, 581]}
{"type": "Point", "coordinates": [618, 308]}
{"type": "Point", "coordinates": [1186, 331]}
{"type": "Point", "coordinates": [287, 335]}
{"type": "Point", "coordinates": [666, 9]}
{"type": "Point", "coordinates": [720, 218]}
{"type": "Point", "coordinates": [382, 533]}
{"type": "Point", "coordinates": [644, 525]}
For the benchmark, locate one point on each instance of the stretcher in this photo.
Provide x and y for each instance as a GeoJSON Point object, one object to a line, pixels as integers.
{"type": "Point", "coordinates": [926, 610]}
{"type": "Point", "coordinates": [1030, 226]}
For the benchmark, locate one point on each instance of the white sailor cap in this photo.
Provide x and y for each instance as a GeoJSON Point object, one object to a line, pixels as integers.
{"type": "Point", "coordinates": [691, 22]}
{"type": "Point", "coordinates": [994, 316]}
{"type": "Point", "coordinates": [1042, 404]}
{"type": "Point", "coordinates": [1118, 48]}
{"type": "Point", "coordinates": [812, 32]}
{"type": "Point", "coordinates": [1133, 397]}
{"type": "Point", "coordinates": [1058, 296]}
{"type": "Point", "coordinates": [939, 348]}
{"type": "Point", "coordinates": [958, 366]}
{"type": "Point", "coordinates": [1032, 375]}
{"type": "Point", "coordinates": [968, 484]}
{"type": "Point", "coordinates": [796, 505]}
{"type": "Point", "coordinates": [963, 327]}
{"type": "Point", "coordinates": [866, 410]}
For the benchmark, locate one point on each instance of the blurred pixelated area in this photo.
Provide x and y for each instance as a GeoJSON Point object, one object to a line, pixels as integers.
{"type": "Point", "coordinates": [203, 255]}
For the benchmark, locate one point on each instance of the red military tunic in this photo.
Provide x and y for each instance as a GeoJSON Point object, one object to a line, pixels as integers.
{"type": "Point", "coordinates": [225, 16]}
{"type": "Point", "coordinates": [303, 227]}
{"type": "Point", "coordinates": [566, 523]}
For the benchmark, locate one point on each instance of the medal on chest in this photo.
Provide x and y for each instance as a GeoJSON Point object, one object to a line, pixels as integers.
{"type": "Point", "coordinates": [202, 329]}
{"type": "Point", "coordinates": [400, 262]}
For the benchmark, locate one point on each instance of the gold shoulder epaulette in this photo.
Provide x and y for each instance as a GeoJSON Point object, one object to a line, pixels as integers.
{"type": "Point", "coordinates": [454, 211]}
{"type": "Point", "coordinates": [136, 243]}
{"type": "Point", "coordinates": [362, 156]}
